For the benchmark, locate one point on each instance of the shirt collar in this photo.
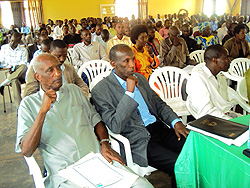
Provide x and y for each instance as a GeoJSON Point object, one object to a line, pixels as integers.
{"type": "Point", "coordinates": [116, 38]}
{"type": "Point", "coordinates": [61, 89]}
{"type": "Point", "coordinates": [121, 81]}
{"type": "Point", "coordinates": [207, 71]}
{"type": "Point", "coordinates": [83, 44]}
{"type": "Point", "coordinates": [17, 48]}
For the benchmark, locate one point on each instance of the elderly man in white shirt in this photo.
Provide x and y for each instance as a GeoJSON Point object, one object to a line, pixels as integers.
{"type": "Point", "coordinates": [87, 50]}
{"type": "Point", "coordinates": [15, 57]}
{"type": "Point", "coordinates": [207, 87]}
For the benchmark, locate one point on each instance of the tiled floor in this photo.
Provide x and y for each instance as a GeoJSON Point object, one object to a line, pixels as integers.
{"type": "Point", "coordinates": [13, 169]}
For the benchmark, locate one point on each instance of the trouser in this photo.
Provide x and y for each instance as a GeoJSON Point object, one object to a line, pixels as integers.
{"type": "Point", "coordinates": [16, 78]}
{"type": "Point", "coordinates": [163, 148]}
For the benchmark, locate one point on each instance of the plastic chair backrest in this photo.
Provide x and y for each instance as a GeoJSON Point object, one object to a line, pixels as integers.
{"type": "Point", "coordinates": [197, 55]}
{"type": "Point", "coordinates": [98, 78]}
{"type": "Point", "coordinates": [239, 66]}
{"type": "Point", "coordinates": [94, 68]}
{"type": "Point", "coordinates": [35, 171]}
{"type": "Point", "coordinates": [168, 82]}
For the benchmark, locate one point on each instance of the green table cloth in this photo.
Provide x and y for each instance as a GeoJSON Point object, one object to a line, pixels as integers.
{"type": "Point", "coordinates": [207, 162]}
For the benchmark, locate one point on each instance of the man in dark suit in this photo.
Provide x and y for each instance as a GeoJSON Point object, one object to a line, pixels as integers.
{"type": "Point", "coordinates": [129, 107]}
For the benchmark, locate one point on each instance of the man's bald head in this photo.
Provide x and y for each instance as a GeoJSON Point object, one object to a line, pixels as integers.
{"type": "Point", "coordinates": [48, 72]}
{"type": "Point", "coordinates": [41, 60]}
{"type": "Point", "coordinates": [116, 49]}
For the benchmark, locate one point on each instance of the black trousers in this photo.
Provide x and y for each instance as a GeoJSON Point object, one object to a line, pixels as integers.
{"type": "Point", "coordinates": [163, 147]}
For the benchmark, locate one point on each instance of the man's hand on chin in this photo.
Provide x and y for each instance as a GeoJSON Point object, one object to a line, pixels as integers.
{"type": "Point", "coordinates": [180, 129]}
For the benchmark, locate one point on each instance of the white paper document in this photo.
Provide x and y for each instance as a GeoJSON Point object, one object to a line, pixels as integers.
{"type": "Point", "coordinates": [237, 142]}
{"type": "Point", "coordinates": [94, 171]}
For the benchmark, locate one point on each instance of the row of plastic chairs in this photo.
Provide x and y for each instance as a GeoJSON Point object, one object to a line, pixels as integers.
{"type": "Point", "coordinates": [169, 83]}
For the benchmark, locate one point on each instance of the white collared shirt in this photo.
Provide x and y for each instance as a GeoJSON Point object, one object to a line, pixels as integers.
{"type": "Point", "coordinates": [83, 53]}
{"type": "Point", "coordinates": [10, 57]}
{"type": "Point", "coordinates": [207, 94]}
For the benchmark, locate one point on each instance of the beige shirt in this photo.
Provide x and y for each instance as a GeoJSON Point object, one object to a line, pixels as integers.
{"type": "Point", "coordinates": [83, 53]}
{"type": "Point", "coordinates": [114, 41]}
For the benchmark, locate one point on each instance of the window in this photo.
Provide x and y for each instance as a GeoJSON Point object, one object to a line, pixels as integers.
{"type": "Point", "coordinates": [126, 8]}
{"type": "Point", "coordinates": [211, 7]}
{"type": "Point", "coordinates": [6, 14]}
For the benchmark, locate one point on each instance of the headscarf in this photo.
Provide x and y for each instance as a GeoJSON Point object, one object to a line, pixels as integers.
{"type": "Point", "coordinates": [202, 26]}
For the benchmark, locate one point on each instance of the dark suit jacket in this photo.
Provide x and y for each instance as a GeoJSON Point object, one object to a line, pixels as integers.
{"type": "Point", "coordinates": [119, 112]}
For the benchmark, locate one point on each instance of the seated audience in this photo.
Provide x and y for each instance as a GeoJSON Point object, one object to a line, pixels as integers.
{"type": "Point", "coordinates": [77, 26]}
{"type": "Point", "coordinates": [129, 107]}
{"type": "Point", "coordinates": [44, 31]}
{"type": "Point", "coordinates": [58, 49]}
{"type": "Point", "coordinates": [191, 43]}
{"type": "Point", "coordinates": [164, 31]}
{"type": "Point", "coordinates": [50, 33]}
{"type": "Point", "coordinates": [36, 46]}
{"type": "Point", "coordinates": [145, 60]}
{"type": "Point", "coordinates": [127, 31]}
{"type": "Point", "coordinates": [237, 46]}
{"type": "Point", "coordinates": [119, 38]}
{"type": "Point", "coordinates": [206, 39]}
{"type": "Point", "coordinates": [87, 50]}
{"type": "Point", "coordinates": [230, 33]}
{"type": "Point", "coordinates": [153, 42]}
{"type": "Point", "coordinates": [223, 31]}
{"type": "Point", "coordinates": [72, 38]}
{"type": "Point", "coordinates": [207, 87]}
{"type": "Point", "coordinates": [15, 57]}
{"type": "Point", "coordinates": [112, 30]}
{"type": "Point", "coordinates": [65, 29]}
{"type": "Point", "coordinates": [58, 29]}
{"type": "Point", "coordinates": [62, 124]}
{"type": "Point", "coordinates": [174, 51]}
{"type": "Point", "coordinates": [45, 48]}
{"type": "Point", "coordinates": [96, 36]}
{"type": "Point", "coordinates": [104, 38]}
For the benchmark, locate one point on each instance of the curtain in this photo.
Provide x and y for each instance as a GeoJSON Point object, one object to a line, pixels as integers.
{"type": "Point", "coordinates": [18, 13]}
{"type": "Point", "coordinates": [142, 9]}
{"type": "Point", "coordinates": [35, 13]}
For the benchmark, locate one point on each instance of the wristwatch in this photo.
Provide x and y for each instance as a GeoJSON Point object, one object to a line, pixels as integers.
{"type": "Point", "coordinates": [105, 140]}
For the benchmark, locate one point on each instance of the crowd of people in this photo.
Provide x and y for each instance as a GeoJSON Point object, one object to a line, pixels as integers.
{"type": "Point", "coordinates": [55, 114]}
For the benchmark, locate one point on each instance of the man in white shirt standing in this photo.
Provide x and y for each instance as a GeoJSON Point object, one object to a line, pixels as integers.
{"type": "Point", "coordinates": [207, 87]}
{"type": "Point", "coordinates": [15, 57]}
{"type": "Point", "coordinates": [87, 50]}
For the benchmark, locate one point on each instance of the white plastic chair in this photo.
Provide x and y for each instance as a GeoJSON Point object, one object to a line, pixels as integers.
{"type": "Point", "coordinates": [197, 55]}
{"type": "Point", "coordinates": [168, 82]}
{"type": "Point", "coordinates": [94, 68]}
{"type": "Point", "coordinates": [98, 78]}
{"type": "Point", "coordinates": [35, 171]}
{"type": "Point", "coordinates": [236, 73]}
{"type": "Point", "coordinates": [141, 171]}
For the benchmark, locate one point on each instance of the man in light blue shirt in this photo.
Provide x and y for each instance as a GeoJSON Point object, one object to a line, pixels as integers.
{"type": "Point", "coordinates": [129, 107]}
{"type": "Point", "coordinates": [25, 29]}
